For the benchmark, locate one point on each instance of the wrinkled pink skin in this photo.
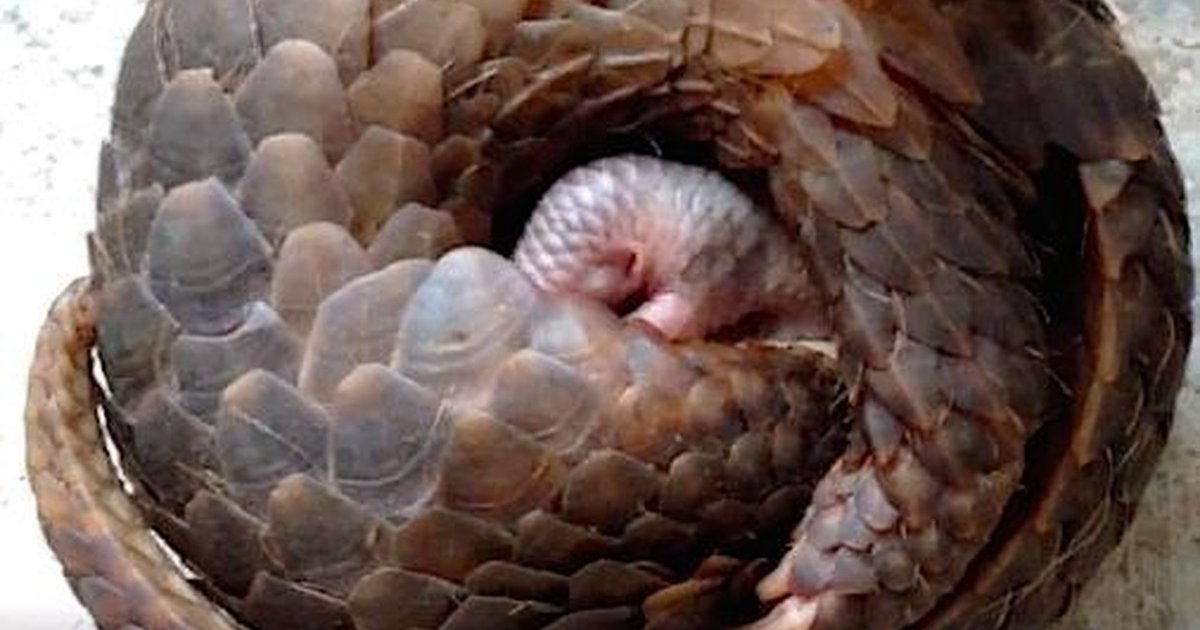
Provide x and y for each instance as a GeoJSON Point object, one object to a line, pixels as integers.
{"type": "Point", "coordinates": [681, 237]}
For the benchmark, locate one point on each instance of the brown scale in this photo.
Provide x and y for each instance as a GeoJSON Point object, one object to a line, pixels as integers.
{"type": "Point", "coordinates": [337, 418]}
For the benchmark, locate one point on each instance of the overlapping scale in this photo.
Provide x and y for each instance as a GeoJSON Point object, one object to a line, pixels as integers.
{"type": "Point", "coordinates": [449, 33]}
{"type": "Point", "coordinates": [910, 135]}
{"type": "Point", "coordinates": [505, 579]}
{"type": "Point", "coordinates": [207, 261]}
{"type": "Point", "coordinates": [470, 313]}
{"type": "Point", "coordinates": [477, 99]}
{"type": "Point", "coordinates": [780, 38]}
{"type": "Point", "coordinates": [227, 546]}
{"type": "Point", "coordinates": [122, 233]}
{"type": "Point", "coordinates": [139, 84]}
{"type": "Point", "coordinates": [357, 325]}
{"type": "Point", "coordinates": [522, 475]}
{"type": "Point", "coordinates": [448, 544]}
{"type": "Point", "coordinates": [550, 94]}
{"type": "Point", "coordinates": [315, 261]}
{"type": "Point", "coordinates": [134, 346]}
{"type": "Point", "coordinates": [194, 132]}
{"type": "Point", "coordinates": [414, 231]}
{"type": "Point", "coordinates": [859, 90]}
{"type": "Point", "coordinates": [287, 184]}
{"type": "Point", "coordinates": [607, 583]}
{"type": "Point", "coordinates": [607, 490]}
{"type": "Point", "coordinates": [633, 53]}
{"type": "Point", "coordinates": [267, 431]}
{"type": "Point", "coordinates": [337, 26]}
{"type": "Point", "coordinates": [547, 400]}
{"type": "Point", "coordinates": [602, 619]}
{"type": "Point", "coordinates": [401, 92]}
{"type": "Point", "coordinates": [383, 171]}
{"type": "Point", "coordinates": [388, 438]}
{"type": "Point", "coordinates": [799, 134]}
{"type": "Point", "coordinates": [328, 552]}
{"type": "Point", "coordinates": [172, 446]}
{"type": "Point", "coordinates": [274, 602]}
{"type": "Point", "coordinates": [205, 364]}
{"type": "Point", "coordinates": [504, 613]}
{"type": "Point", "coordinates": [296, 89]}
{"type": "Point", "coordinates": [918, 40]}
{"type": "Point", "coordinates": [1122, 118]}
{"type": "Point", "coordinates": [583, 335]}
{"type": "Point", "coordinates": [389, 594]}
{"type": "Point", "coordinates": [499, 18]}
{"type": "Point", "coordinates": [217, 34]}
{"type": "Point", "coordinates": [547, 542]}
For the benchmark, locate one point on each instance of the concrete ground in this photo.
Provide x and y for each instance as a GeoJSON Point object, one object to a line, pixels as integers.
{"type": "Point", "coordinates": [58, 61]}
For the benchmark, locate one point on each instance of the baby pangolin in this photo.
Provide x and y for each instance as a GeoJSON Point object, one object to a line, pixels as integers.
{"type": "Point", "coordinates": [678, 247]}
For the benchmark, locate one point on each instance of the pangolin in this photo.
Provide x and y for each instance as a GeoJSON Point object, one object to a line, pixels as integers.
{"type": "Point", "coordinates": [305, 385]}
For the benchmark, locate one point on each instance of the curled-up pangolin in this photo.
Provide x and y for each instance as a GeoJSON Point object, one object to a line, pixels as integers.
{"type": "Point", "coordinates": [614, 314]}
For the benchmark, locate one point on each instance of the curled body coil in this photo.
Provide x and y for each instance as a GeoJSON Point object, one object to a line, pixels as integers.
{"type": "Point", "coordinates": [329, 411]}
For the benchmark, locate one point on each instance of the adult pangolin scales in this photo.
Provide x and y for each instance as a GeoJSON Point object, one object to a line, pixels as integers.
{"type": "Point", "coordinates": [847, 314]}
